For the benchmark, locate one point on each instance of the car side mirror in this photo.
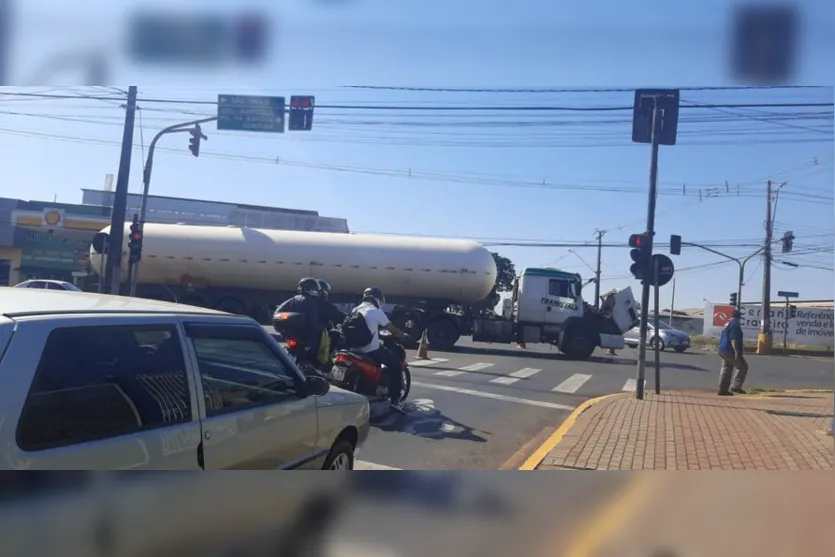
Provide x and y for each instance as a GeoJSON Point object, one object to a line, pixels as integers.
{"type": "Point", "coordinates": [317, 386]}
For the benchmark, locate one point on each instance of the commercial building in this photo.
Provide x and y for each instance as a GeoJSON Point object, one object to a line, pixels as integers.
{"type": "Point", "coordinates": [40, 239]}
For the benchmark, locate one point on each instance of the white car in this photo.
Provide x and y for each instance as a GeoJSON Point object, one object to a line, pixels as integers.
{"type": "Point", "coordinates": [49, 284]}
{"type": "Point", "coordinates": [95, 382]}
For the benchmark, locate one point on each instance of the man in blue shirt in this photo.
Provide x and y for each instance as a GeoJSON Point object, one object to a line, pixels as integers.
{"type": "Point", "coordinates": [731, 352]}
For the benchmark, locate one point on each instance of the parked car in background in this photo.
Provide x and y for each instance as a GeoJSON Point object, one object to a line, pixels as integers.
{"type": "Point", "coordinates": [49, 284]}
{"type": "Point", "coordinates": [95, 382]}
{"type": "Point", "coordinates": [667, 337]}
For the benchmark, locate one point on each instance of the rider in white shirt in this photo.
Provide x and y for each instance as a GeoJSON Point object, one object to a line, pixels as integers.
{"type": "Point", "coordinates": [376, 319]}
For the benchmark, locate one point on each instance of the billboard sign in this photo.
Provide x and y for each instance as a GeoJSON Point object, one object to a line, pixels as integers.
{"type": "Point", "coordinates": [811, 326]}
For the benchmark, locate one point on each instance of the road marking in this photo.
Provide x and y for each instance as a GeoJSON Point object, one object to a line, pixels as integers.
{"type": "Point", "coordinates": [363, 465]}
{"type": "Point", "coordinates": [429, 362]}
{"type": "Point", "coordinates": [539, 455]}
{"type": "Point", "coordinates": [523, 373]}
{"type": "Point", "coordinates": [573, 383]}
{"type": "Point", "coordinates": [631, 385]}
{"type": "Point", "coordinates": [472, 367]}
{"type": "Point", "coordinates": [493, 396]}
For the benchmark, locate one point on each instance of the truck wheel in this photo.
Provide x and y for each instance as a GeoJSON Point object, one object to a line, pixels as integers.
{"type": "Point", "coordinates": [411, 324]}
{"type": "Point", "coordinates": [579, 343]}
{"type": "Point", "coordinates": [442, 333]}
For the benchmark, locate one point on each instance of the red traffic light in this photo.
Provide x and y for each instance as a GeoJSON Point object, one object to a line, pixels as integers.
{"type": "Point", "coordinates": [136, 237]}
{"type": "Point", "coordinates": [635, 240]}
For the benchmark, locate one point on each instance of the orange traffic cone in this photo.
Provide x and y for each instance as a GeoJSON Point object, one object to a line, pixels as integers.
{"type": "Point", "coordinates": [423, 347]}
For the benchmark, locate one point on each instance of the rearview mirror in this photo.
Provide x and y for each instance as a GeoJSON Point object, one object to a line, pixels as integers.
{"type": "Point", "coordinates": [317, 386]}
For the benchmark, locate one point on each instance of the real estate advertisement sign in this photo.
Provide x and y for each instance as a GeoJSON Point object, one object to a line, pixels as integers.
{"type": "Point", "coordinates": [809, 326]}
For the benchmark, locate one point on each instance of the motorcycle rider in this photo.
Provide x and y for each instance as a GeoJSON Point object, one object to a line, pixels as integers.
{"type": "Point", "coordinates": [376, 319]}
{"type": "Point", "coordinates": [306, 302]}
{"type": "Point", "coordinates": [329, 314]}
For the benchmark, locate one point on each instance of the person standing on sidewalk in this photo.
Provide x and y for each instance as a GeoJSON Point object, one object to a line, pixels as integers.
{"type": "Point", "coordinates": [734, 367]}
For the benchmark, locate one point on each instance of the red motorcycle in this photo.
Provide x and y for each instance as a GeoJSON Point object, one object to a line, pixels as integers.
{"type": "Point", "coordinates": [356, 372]}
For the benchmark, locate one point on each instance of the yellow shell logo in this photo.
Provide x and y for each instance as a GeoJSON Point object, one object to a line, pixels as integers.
{"type": "Point", "coordinates": [52, 218]}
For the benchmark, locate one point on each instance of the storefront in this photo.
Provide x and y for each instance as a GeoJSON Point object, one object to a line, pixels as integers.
{"type": "Point", "coordinates": [54, 241]}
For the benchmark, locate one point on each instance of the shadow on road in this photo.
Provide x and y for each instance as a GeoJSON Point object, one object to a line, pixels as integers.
{"type": "Point", "coordinates": [422, 419]}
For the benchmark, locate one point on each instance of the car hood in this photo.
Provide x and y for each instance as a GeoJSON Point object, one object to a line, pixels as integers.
{"type": "Point", "coordinates": [675, 334]}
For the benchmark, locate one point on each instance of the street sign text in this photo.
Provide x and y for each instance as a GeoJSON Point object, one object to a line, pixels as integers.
{"type": "Point", "coordinates": [250, 113]}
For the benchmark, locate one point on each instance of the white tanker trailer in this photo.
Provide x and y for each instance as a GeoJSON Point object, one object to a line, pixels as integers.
{"type": "Point", "coordinates": [250, 271]}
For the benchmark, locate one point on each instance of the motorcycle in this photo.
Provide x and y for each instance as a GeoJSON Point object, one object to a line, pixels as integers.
{"type": "Point", "coordinates": [289, 327]}
{"type": "Point", "coordinates": [356, 372]}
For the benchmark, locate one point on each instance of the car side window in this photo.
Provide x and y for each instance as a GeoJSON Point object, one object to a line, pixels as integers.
{"type": "Point", "coordinates": [36, 284]}
{"type": "Point", "coordinates": [239, 369]}
{"type": "Point", "coordinates": [94, 383]}
{"type": "Point", "coordinates": [53, 286]}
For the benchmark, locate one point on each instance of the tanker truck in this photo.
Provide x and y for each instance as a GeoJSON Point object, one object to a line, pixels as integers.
{"type": "Point", "coordinates": [427, 282]}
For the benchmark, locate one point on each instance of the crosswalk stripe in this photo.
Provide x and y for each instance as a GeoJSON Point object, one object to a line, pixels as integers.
{"type": "Point", "coordinates": [572, 384]}
{"type": "Point", "coordinates": [455, 372]}
{"type": "Point", "coordinates": [523, 373]}
{"type": "Point", "coordinates": [631, 385]}
{"type": "Point", "coordinates": [430, 362]}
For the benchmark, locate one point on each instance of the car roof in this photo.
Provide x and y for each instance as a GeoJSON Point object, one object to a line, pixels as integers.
{"type": "Point", "coordinates": [18, 302]}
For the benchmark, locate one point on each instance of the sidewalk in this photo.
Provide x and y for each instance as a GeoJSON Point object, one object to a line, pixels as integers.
{"type": "Point", "coordinates": [696, 430]}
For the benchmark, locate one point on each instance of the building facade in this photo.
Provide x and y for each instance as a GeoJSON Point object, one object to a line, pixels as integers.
{"type": "Point", "coordinates": [51, 240]}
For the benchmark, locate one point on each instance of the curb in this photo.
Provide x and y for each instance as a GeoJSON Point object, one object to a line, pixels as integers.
{"type": "Point", "coordinates": [539, 454]}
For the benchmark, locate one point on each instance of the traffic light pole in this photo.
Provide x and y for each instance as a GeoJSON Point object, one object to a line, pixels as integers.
{"type": "Point", "coordinates": [740, 262]}
{"type": "Point", "coordinates": [146, 181]}
{"type": "Point", "coordinates": [653, 194]}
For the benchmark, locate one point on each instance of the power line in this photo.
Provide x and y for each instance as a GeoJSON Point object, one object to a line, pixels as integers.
{"type": "Point", "coordinates": [565, 89]}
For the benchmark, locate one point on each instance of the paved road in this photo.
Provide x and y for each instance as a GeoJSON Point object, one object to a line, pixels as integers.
{"type": "Point", "coordinates": [481, 407]}
{"type": "Point", "coordinates": [477, 407]}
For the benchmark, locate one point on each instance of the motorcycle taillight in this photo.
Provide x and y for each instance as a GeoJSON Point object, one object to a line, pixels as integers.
{"type": "Point", "coordinates": [340, 359]}
{"type": "Point", "coordinates": [292, 343]}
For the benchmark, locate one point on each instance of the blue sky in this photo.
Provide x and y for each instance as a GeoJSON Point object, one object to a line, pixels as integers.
{"type": "Point", "coordinates": [355, 164]}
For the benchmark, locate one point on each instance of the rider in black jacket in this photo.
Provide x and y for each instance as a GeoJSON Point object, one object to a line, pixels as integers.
{"type": "Point", "coordinates": [306, 302]}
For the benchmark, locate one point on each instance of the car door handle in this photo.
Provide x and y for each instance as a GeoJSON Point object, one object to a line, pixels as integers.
{"type": "Point", "coordinates": [200, 460]}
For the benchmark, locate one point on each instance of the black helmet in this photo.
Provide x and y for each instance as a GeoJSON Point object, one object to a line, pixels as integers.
{"type": "Point", "coordinates": [374, 295]}
{"type": "Point", "coordinates": [308, 287]}
{"type": "Point", "coordinates": [324, 287]}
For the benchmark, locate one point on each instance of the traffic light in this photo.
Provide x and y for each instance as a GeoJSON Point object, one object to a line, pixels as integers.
{"type": "Point", "coordinates": [640, 254]}
{"type": "Point", "coordinates": [675, 245]}
{"type": "Point", "coordinates": [301, 113]}
{"type": "Point", "coordinates": [734, 299]}
{"type": "Point", "coordinates": [788, 241]}
{"type": "Point", "coordinates": [135, 242]}
{"type": "Point", "coordinates": [194, 141]}
{"type": "Point", "coordinates": [792, 311]}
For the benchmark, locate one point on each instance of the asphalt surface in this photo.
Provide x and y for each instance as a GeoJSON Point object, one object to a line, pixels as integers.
{"type": "Point", "coordinates": [466, 410]}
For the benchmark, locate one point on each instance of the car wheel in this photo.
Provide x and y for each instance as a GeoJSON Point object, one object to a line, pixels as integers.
{"type": "Point", "coordinates": [341, 456]}
{"type": "Point", "coordinates": [658, 341]}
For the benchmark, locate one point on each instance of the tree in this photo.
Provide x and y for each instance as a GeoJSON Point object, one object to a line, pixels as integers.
{"type": "Point", "coordinates": [505, 277]}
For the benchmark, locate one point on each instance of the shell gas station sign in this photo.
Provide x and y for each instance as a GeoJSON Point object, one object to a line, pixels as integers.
{"type": "Point", "coordinates": [56, 218]}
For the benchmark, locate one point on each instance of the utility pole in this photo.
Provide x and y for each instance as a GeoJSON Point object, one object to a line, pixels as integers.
{"type": "Point", "coordinates": [764, 339]}
{"type": "Point", "coordinates": [600, 234]}
{"type": "Point", "coordinates": [113, 269]}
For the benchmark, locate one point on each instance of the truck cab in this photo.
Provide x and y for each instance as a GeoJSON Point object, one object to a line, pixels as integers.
{"type": "Point", "coordinates": [547, 306]}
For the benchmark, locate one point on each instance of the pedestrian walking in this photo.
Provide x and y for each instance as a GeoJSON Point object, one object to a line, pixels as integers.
{"type": "Point", "coordinates": [734, 367]}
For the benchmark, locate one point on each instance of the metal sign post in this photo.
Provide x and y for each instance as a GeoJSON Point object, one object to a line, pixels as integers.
{"type": "Point", "coordinates": [654, 121]}
{"type": "Point", "coordinates": [788, 296]}
{"type": "Point", "coordinates": [656, 271]}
